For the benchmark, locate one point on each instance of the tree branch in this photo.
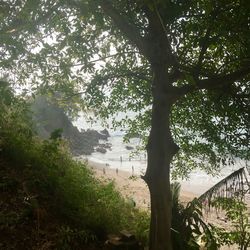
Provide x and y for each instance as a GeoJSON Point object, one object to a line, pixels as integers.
{"type": "Point", "coordinates": [104, 58]}
{"type": "Point", "coordinates": [214, 82]}
{"type": "Point", "coordinates": [100, 59]}
{"type": "Point", "coordinates": [158, 37]}
{"type": "Point", "coordinates": [128, 74]}
{"type": "Point", "coordinates": [137, 75]}
{"type": "Point", "coordinates": [204, 46]}
{"type": "Point", "coordinates": [129, 30]}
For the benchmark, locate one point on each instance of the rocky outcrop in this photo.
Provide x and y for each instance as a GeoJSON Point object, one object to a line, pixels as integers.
{"type": "Point", "coordinates": [105, 132]}
{"type": "Point", "coordinates": [102, 147]}
{"type": "Point", "coordinates": [129, 147]}
{"type": "Point", "coordinates": [48, 117]}
{"type": "Point", "coordinates": [85, 142]}
{"type": "Point", "coordinates": [123, 240]}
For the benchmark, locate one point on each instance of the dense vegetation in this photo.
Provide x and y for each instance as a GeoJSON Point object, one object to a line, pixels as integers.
{"type": "Point", "coordinates": [49, 199]}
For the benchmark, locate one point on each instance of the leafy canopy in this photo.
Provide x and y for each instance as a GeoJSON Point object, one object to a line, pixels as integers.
{"type": "Point", "coordinates": [76, 48]}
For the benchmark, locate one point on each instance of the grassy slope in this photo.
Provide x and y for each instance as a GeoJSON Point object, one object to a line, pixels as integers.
{"type": "Point", "coordinates": [50, 201]}
{"type": "Point", "coordinates": [22, 224]}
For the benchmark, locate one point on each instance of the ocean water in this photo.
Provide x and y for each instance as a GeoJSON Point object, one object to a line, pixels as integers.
{"type": "Point", "coordinates": [121, 158]}
{"type": "Point", "coordinates": [118, 156]}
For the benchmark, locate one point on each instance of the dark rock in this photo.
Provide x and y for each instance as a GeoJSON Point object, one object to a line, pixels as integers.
{"type": "Point", "coordinates": [105, 145]}
{"type": "Point", "coordinates": [105, 132]}
{"type": "Point", "coordinates": [48, 117]}
{"type": "Point", "coordinates": [124, 240]}
{"type": "Point", "coordinates": [95, 135]}
{"type": "Point", "coordinates": [126, 235]}
{"type": "Point", "coordinates": [101, 150]}
{"type": "Point", "coordinates": [129, 147]}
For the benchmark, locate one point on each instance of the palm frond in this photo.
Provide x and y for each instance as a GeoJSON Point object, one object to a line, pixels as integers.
{"type": "Point", "coordinates": [231, 186]}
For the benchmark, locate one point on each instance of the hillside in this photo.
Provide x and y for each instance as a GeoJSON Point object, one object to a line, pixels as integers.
{"type": "Point", "coordinates": [50, 201]}
{"type": "Point", "coordinates": [30, 219]}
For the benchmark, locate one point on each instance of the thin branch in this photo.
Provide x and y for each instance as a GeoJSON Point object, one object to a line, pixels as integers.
{"type": "Point", "coordinates": [112, 77]}
{"type": "Point", "coordinates": [204, 47]}
{"type": "Point", "coordinates": [168, 44]}
{"type": "Point", "coordinates": [72, 95]}
{"type": "Point", "coordinates": [95, 60]}
{"type": "Point", "coordinates": [104, 58]}
{"type": "Point", "coordinates": [205, 40]}
{"type": "Point", "coordinates": [137, 75]}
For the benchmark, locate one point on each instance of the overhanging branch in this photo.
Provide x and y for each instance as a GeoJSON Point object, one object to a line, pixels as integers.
{"type": "Point", "coordinates": [214, 82]}
{"type": "Point", "coordinates": [100, 59]}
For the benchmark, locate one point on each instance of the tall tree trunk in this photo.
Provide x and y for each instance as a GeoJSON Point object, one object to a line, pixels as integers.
{"type": "Point", "coordinates": [161, 149]}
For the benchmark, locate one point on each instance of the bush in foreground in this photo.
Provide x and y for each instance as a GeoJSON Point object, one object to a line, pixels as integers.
{"type": "Point", "coordinates": [52, 181]}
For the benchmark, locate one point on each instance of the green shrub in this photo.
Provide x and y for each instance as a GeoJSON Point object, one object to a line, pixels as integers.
{"type": "Point", "coordinates": [71, 238]}
{"type": "Point", "coordinates": [65, 186]}
{"type": "Point", "coordinates": [236, 214]}
{"type": "Point", "coordinates": [188, 225]}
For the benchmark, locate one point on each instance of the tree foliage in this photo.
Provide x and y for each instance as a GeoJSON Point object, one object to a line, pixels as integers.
{"type": "Point", "coordinates": [237, 214]}
{"type": "Point", "coordinates": [75, 47]}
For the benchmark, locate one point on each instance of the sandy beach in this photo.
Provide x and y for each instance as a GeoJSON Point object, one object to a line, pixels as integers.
{"type": "Point", "coordinates": [130, 185]}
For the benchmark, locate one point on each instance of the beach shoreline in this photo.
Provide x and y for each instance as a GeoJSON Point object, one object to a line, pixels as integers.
{"type": "Point", "coordinates": [130, 185]}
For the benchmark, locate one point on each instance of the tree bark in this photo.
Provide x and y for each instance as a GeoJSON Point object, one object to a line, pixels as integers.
{"type": "Point", "coordinates": [161, 149]}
